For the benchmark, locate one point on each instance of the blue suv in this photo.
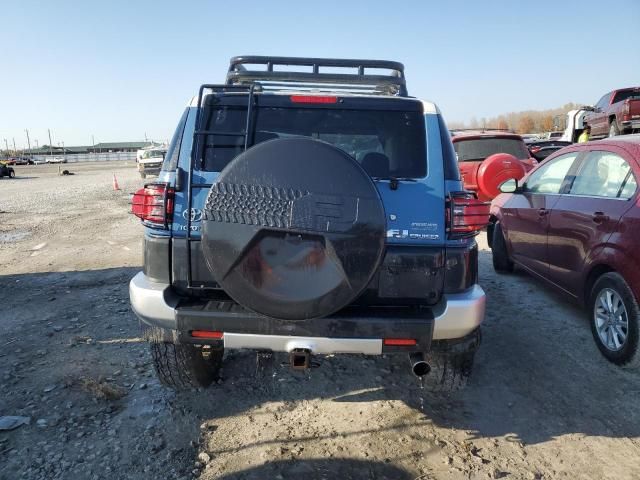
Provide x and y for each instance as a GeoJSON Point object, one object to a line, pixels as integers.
{"type": "Point", "coordinates": [309, 206]}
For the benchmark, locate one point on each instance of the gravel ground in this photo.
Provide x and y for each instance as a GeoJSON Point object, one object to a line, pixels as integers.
{"type": "Point", "coordinates": [542, 402]}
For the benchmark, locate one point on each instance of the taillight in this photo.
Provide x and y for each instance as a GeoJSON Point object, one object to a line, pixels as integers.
{"type": "Point", "coordinates": [153, 204]}
{"type": "Point", "coordinates": [313, 99]}
{"type": "Point", "coordinates": [466, 215]}
{"type": "Point", "coordinates": [625, 110]}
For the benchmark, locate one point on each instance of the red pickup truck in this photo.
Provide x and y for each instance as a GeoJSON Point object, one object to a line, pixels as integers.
{"type": "Point", "coordinates": [616, 113]}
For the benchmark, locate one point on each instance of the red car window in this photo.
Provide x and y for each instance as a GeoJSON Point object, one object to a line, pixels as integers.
{"type": "Point", "coordinates": [481, 148]}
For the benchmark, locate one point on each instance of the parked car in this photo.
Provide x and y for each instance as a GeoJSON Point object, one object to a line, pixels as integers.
{"type": "Point", "coordinates": [574, 222]}
{"type": "Point", "coordinates": [6, 171]}
{"type": "Point", "coordinates": [150, 159]}
{"type": "Point", "coordinates": [20, 161]}
{"type": "Point", "coordinates": [488, 158]}
{"type": "Point", "coordinates": [616, 113]}
{"type": "Point", "coordinates": [309, 227]}
{"type": "Point", "coordinates": [56, 159]}
{"type": "Point", "coordinates": [541, 149]}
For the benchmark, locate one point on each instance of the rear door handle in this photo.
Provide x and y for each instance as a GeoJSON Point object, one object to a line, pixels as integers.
{"type": "Point", "coordinates": [542, 212]}
{"type": "Point", "coordinates": [599, 217]}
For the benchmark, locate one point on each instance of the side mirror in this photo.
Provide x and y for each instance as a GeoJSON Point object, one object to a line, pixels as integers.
{"type": "Point", "coordinates": [509, 186]}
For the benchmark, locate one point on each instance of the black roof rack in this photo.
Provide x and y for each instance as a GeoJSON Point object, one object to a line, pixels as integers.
{"type": "Point", "coordinates": [245, 70]}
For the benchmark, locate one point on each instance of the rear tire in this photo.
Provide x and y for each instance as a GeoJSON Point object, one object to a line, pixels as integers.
{"type": "Point", "coordinates": [501, 261]}
{"type": "Point", "coordinates": [185, 366]}
{"type": "Point", "coordinates": [614, 131]}
{"type": "Point", "coordinates": [628, 354]}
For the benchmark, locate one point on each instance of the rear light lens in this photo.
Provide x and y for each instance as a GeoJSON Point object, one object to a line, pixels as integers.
{"type": "Point", "coordinates": [207, 334]}
{"type": "Point", "coordinates": [466, 215]}
{"type": "Point", "coordinates": [153, 204]}
{"type": "Point", "coordinates": [313, 99]}
{"type": "Point", "coordinates": [400, 342]}
{"type": "Point", "coordinates": [625, 111]}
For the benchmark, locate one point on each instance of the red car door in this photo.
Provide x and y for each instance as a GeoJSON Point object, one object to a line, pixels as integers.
{"type": "Point", "coordinates": [598, 119]}
{"type": "Point", "coordinates": [583, 219]}
{"type": "Point", "coordinates": [525, 216]}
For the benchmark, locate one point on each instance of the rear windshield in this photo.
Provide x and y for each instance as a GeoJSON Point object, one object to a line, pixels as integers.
{"type": "Point", "coordinates": [623, 95]}
{"type": "Point", "coordinates": [481, 148]}
{"type": "Point", "coordinates": [385, 143]}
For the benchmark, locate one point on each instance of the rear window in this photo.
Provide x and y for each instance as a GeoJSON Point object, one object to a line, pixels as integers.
{"type": "Point", "coordinates": [626, 95]}
{"type": "Point", "coordinates": [385, 143]}
{"type": "Point", "coordinates": [481, 148]}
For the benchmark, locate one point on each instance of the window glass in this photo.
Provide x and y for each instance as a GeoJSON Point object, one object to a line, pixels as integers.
{"type": "Point", "coordinates": [622, 95]}
{"type": "Point", "coordinates": [604, 174]}
{"type": "Point", "coordinates": [173, 152]}
{"type": "Point", "coordinates": [604, 101]}
{"type": "Point", "coordinates": [481, 148]}
{"type": "Point", "coordinates": [549, 177]}
{"type": "Point", "coordinates": [385, 143]}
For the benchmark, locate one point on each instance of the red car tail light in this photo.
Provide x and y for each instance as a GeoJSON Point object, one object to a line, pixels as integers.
{"type": "Point", "coordinates": [313, 99]}
{"type": "Point", "coordinates": [466, 215]}
{"type": "Point", "coordinates": [625, 111]}
{"type": "Point", "coordinates": [153, 204]}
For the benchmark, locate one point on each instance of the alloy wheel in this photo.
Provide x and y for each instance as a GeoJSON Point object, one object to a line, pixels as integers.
{"type": "Point", "coordinates": [611, 319]}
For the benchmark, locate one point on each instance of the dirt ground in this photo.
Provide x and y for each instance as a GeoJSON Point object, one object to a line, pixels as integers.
{"type": "Point", "coordinates": [542, 402]}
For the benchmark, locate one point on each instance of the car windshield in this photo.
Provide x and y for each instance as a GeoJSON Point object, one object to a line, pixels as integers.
{"type": "Point", "coordinates": [152, 154]}
{"type": "Point", "coordinates": [481, 148]}
{"type": "Point", "coordinates": [385, 143]}
{"type": "Point", "coordinates": [621, 96]}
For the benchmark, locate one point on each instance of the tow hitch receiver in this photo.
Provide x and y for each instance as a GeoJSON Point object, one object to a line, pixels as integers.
{"type": "Point", "coordinates": [300, 359]}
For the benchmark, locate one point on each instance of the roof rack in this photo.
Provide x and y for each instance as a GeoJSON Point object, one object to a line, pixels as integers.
{"type": "Point", "coordinates": [246, 70]}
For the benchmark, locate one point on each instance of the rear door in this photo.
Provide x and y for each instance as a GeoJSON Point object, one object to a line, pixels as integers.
{"type": "Point", "coordinates": [598, 119]}
{"type": "Point", "coordinates": [583, 219]}
{"type": "Point", "coordinates": [525, 216]}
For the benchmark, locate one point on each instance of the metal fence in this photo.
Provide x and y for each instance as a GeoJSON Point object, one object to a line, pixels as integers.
{"type": "Point", "coordinates": [90, 157]}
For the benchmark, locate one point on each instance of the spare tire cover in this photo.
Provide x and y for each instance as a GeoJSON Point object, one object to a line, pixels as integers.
{"type": "Point", "coordinates": [494, 171]}
{"type": "Point", "coordinates": [293, 229]}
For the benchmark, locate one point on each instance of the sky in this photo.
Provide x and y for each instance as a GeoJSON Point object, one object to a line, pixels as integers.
{"type": "Point", "coordinates": [120, 70]}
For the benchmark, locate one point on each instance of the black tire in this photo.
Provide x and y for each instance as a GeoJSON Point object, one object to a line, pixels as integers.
{"type": "Point", "coordinates": [628, 355]}
{"type": "Point", "coordinates": [185, 366]}
{"type": "Point", "coordinates": [501, 261]}
{"type": "Point", "coordinates": [451, 365]}
{"type": "Point", "coordinates": [614, 131]}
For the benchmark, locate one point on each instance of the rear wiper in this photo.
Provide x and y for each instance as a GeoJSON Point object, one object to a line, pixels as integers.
{"type": "Point", "coordinates": [393, 181]}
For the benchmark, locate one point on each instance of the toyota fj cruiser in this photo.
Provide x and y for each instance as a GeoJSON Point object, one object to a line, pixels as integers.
{"type": "Point", "coordinates": [312, 209]}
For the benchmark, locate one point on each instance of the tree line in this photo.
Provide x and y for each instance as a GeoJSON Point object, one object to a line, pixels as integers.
{"type": "Point", "coordinates": [529, 121]}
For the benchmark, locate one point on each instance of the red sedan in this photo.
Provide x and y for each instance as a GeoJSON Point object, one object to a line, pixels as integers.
{"type": "Point", "coordinates": [575, 222]}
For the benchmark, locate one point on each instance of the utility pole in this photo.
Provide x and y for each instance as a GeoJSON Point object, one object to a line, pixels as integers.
{"type": "Point", "coordinates": [14, 145]}
{"type": "Point", "coordinates": [28, 141]}
{"type": "Point", "coordinates": [50, 146]}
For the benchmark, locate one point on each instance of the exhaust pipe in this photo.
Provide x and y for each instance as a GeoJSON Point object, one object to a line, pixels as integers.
{"type": "Point", "coordinates": [419, 365]}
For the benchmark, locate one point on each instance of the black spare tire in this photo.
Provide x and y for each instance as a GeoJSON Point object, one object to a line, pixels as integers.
{"type": "Point", "coordinates": [293, 229]}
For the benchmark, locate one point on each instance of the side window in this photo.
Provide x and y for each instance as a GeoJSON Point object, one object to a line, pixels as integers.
{"type": "Point", "coordinates": [604, 174]}
{"type": "Point", "coordinates": [173, 152]}
{"type": "Point", "coordinates": [548, 179]}
{"type": "Point", "coordinates": [604, 101]}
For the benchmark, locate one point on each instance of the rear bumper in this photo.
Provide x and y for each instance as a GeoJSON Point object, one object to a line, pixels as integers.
{"type": "Point", "coordinates": [630, 124]}
{"type": "Point", "coordinates": [353, 330]}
